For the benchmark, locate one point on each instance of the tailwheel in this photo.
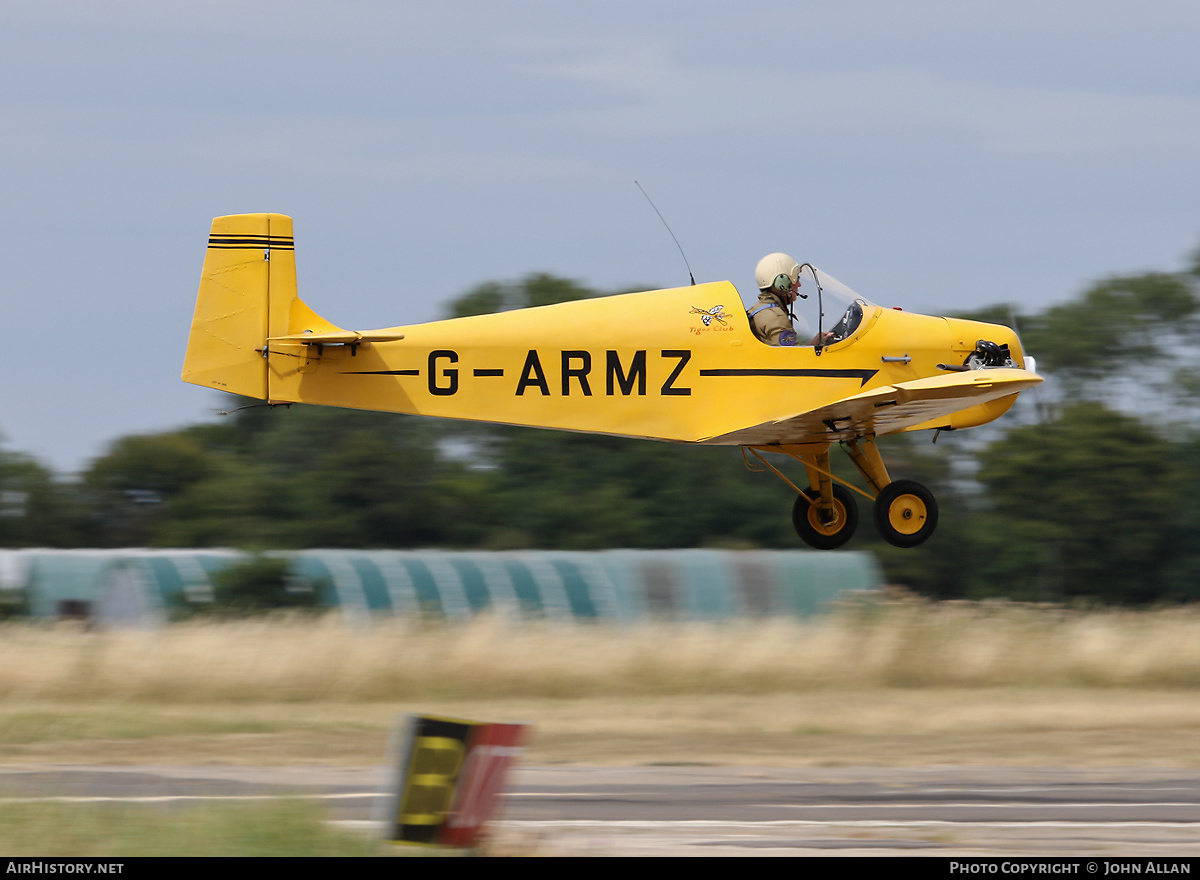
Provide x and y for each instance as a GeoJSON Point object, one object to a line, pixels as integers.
{"type": "Point", "coordinates": [905, 513]}
{"type": "Point", "coordinates": [831, 530]}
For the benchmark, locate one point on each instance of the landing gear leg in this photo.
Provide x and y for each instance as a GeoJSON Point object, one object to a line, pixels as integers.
{"type": "Point", "coordinates": [826, 515]}
{"type": "Point", "coordinates": [905, 512]}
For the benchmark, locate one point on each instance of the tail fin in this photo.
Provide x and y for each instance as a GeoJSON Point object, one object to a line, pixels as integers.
{"type": "Point", "coordinates": [247, 293]}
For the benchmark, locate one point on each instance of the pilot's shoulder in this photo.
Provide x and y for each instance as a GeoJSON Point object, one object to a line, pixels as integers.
{"type": "Point", "coordinates": [767, 310]}
{"type": "Point", "coordinates": [774, 316]}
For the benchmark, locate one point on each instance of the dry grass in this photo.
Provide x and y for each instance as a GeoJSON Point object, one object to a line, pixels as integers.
{"type": "Point", "coordinates": [906, 644]}
{"type": "Point", "coordinates": [896, 727]}
{"type": "Point", "coordinates": [894, 683]}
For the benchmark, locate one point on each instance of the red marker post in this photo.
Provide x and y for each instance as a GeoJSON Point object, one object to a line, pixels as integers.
{"type": "Point", "coordinates": [450, 774]}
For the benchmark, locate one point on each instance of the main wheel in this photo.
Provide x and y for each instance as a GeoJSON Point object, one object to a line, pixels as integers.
{"type": "Point", "coordinates": [843, 519]}
{"type": "Point", "coordinates": [905, 513]}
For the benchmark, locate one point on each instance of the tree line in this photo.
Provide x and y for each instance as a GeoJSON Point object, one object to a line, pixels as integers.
{"type": "Point", "coordinates": [1090, 490]}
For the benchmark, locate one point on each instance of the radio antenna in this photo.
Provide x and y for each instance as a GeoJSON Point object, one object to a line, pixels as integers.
{"type": "Point", "coordinates": [677, 244]}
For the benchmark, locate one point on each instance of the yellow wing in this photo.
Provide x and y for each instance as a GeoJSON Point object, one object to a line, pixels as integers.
{"type": "Point", "coordinates": [921, 403]}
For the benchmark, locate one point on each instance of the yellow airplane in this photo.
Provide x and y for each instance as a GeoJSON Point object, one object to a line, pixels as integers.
{"type": "Point", "coordinates": [679, 365]}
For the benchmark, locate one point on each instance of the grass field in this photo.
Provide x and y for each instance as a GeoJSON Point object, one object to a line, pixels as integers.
{"type": "Point", "coordinates": [905, 644]}
{"type": "Point", "coordinates": [892, 683]}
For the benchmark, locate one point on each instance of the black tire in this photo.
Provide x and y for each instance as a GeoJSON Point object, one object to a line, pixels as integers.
{"type": "Point", "coordinates": [906, 513]}
{"type": "Point", "coordinates": [826, 536]}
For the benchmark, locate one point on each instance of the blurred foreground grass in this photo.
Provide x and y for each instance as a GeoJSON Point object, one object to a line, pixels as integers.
{"type": "Point", "coordinates": [899, 682]}
{"type": "Point", "coordinates": [899, 644]}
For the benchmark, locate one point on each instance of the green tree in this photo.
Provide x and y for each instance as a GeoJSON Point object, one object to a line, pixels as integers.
{"type": "Point", "coordinates": [318, 476]}
{"type": "Point", "coordinates": [537, 289]}
{"type": "Point", "coordinates": [261, 583]}
{"type": "Point", "coordinates": [936, 567]}
{"type": "Point", "coordinates": [1181, 568]}
{"type": "Point", "coordinates": [1115, 326]}
{"type": "Point", "coordinates": [580, 491]}
{"type": "Point", "coordinates": [1082, 507]}
{"type": "Point", "coordinates": [133, 484]}
{"type": "Point", "coordinates": [35, 509]}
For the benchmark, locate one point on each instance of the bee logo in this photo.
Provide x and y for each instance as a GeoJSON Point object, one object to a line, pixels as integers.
{"type": "Point", "coordinates": [707, 316]}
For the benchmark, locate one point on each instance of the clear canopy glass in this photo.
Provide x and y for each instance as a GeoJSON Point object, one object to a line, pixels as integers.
{"type": "Point", "coordinates": [841, 309]}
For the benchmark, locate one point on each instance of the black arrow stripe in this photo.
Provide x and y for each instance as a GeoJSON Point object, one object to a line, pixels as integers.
{"type": "Point", "coordinates": [381, 373]}
{"type": "Point", "coordinates": [862, 375]}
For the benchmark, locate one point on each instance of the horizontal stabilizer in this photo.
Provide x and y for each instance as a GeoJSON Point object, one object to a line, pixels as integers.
{"type": "Point", "coordinates": [339, 337]}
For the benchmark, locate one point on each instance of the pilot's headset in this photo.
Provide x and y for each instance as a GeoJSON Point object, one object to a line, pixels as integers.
{"type": "Point", "coordinates": [780, 275]}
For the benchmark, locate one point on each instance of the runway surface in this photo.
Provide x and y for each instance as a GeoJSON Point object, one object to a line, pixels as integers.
{"type": "Point", "coordinates": [706, 811]}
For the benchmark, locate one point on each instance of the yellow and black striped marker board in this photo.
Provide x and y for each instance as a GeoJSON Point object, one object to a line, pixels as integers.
{"type": "Point", "coordinates": [450, 775]}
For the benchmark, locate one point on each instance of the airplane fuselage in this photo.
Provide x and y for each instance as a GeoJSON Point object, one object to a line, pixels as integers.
{"type": "Point", "coordinates": [639, 365]}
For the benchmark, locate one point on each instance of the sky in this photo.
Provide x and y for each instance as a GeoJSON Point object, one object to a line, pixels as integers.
{"type": "Point", "coordinates": [938, 156]}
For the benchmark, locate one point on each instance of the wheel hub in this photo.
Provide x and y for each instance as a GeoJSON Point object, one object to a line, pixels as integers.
{"type": "Point", "coordinates": [907, 514]}
{"type": "Point", "coordinates": [827, 520]}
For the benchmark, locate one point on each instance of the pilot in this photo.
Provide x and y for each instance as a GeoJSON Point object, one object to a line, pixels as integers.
{"type": "Point", "coordinates": [778, 278]}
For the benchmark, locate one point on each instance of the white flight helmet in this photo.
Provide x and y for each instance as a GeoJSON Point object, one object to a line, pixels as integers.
{"type": "Point", "coordinates": [778, 273]}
